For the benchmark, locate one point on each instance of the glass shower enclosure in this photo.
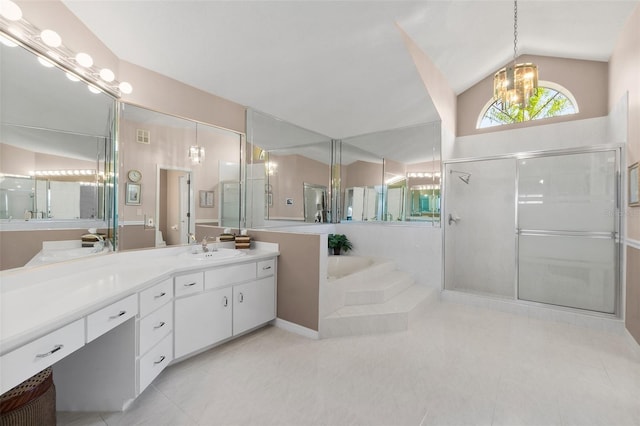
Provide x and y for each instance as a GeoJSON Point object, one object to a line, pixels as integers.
{"type": "Point", "coordinates": [541, 228]}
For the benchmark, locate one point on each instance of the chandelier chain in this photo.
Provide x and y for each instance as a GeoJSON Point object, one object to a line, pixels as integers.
{"type": "Point", "coordinates": [515, 29]}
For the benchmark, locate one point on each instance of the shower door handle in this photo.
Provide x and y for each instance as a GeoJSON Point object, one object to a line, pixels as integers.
{"type": "Point", "coordinates": [453, 218]}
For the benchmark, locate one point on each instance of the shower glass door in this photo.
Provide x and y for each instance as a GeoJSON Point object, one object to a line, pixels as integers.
{"type": "Point", "coordinates": [479, 222]}
{"type": "Point", "coordinates": [567, 230]}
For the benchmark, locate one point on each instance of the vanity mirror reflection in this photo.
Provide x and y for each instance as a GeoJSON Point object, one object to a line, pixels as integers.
{"type": "Point", "coordinates": [391, 176]}
{"type": "Point", "coordinates": [287, 168]}
{"type": "Point", "coordinates": [176, 159]}
{"type": "Point", "coordinates": [56, 154]}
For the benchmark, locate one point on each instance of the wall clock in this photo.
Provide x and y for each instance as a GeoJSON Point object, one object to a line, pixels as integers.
{"type": "Point", "coordinates": [134, 175]}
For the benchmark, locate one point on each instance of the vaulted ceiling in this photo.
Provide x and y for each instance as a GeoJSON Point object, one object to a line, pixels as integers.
{"type": "Point", "coordinates": [340, 68]}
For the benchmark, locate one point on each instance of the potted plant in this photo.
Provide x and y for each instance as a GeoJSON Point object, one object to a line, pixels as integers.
{"type": "Point", "coordinates": [339, 242]}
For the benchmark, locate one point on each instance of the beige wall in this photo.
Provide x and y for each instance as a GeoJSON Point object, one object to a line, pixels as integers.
{"type": "Point", "coordinates": [19, 247]}
{"type": "Point", "coordinates": [624, 70]}
{"type": "Point", "coordinates": [18, 161]}
{"type": "Point", "coordinates": [586, 80]}
{"type": "Point", "coordinates": [293, 171]}
{"type": "Point", "coordinates": [443, 97]}
{"type": "Point", "coordinates": [361, 173]}
{"type": "Point", "coordinates": [179, 99]}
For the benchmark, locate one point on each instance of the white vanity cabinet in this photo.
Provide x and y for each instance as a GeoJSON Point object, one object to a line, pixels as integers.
{"type": "Point", "coordinates": [253, 304]}
{"type": "Point", "coordinates": [235, 299]}
{"type": "Point", "coordinates": [155, 332]}
{"type": "Point", "coordinates": [201, 320]}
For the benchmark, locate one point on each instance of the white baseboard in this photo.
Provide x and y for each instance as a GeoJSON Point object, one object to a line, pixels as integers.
{"type": "Point", "coordinates": [296, 328]}
{"type": "Point", "coordinates": [633, 344]}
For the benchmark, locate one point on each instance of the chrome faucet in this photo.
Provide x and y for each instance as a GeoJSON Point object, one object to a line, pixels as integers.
{"type": "Point", "coordinates": [206, 249]}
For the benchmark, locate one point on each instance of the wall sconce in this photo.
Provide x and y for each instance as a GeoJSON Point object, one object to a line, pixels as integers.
{"type": "Point", "coordinates": [196, 154]}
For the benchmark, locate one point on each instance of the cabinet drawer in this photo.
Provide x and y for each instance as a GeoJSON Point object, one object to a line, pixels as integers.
{"type": "Point", "coordinates": [229, 275]}
{"type": "Point", "coordinates": [155, 361]}
{"type": "Point", "coordinates": [189, 283]}
{"type": "Point", "coordinates": [154, 327]}
{"type": "Point", "coordinates": [156, 296]}
{"type": "Point", "coordinates": [266, 268]}
{"type": "Point", "coordinates": [24, 362]}
{"type": "Point", "coordinates": [112, 316]}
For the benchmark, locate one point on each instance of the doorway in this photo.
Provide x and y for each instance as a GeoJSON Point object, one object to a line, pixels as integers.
{"type": "Point", "coordinates": [175, 204]}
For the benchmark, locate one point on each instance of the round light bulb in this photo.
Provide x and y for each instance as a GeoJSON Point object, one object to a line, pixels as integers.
{"type": "Point", "coordinates": [107, 75]}
{"type": "Point", "coordinates": [45, 62]}
{"type": "Point", "coordinates": [51, 38]}
{"type": "Point", "coordinates": [125, 87]}
{"type": "Point", "coordinates": [84, 59]}
{"type": "Point", "coordinates": [10, 11]}
{"type": "Point", "coordinates": [93, 89]}
{"type": "Point", "coordinates": [72, 77]}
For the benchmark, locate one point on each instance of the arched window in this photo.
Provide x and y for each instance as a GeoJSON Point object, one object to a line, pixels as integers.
{"type": "Point", "coordinates": [551, 100]}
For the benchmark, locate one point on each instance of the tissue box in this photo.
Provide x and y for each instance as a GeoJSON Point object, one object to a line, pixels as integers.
{"type": "Point", "coordinates": [226, 237]}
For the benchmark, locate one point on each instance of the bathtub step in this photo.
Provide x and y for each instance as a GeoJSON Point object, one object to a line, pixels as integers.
{"type": "Point", "coordinates": [378, 289]}
{"type": "Point", "coordinates": [393, 315]}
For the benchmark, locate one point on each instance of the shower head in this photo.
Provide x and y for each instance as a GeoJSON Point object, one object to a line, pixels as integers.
{"type": "Point", "coordinates": [464, 176]}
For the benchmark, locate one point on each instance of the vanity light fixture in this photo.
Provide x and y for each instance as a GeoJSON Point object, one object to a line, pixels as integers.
{"type": "Point", "coordinates": [84, 59]}
{"type": "Point", "coordinates": [14, 30]}
{"type": "Point", "coordinates": [107, 75]}
{"type": "Point", "coordinates": [10, 11]}
{"type": "Point", "coordinates": [51, 38]}
{"type": "Point", "coordinates": [45, 62]}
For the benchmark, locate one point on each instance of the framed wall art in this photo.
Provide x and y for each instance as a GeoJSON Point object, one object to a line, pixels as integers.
{"type": "Point", "coordinates": [133, 194]}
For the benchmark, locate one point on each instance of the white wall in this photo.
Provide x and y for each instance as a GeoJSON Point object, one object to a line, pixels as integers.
{"type": "Point", "coordinates": [570, 134]}
{"type": "Point", "coordinates": [416, 249]}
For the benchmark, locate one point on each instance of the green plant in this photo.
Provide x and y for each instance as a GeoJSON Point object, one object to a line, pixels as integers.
{"type": "Point", "coordinates": [339, 242]}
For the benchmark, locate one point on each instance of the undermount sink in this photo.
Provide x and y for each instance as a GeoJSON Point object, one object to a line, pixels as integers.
{"type": "Point", "coordinates": [221, 253]}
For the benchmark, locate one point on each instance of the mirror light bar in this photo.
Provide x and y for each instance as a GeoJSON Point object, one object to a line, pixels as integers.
{"type": "Point", "coordinates": [48, 44]}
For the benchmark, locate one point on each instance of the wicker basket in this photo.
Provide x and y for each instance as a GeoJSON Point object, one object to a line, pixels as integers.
{"type": "Point", "coordinates": [32, 402]}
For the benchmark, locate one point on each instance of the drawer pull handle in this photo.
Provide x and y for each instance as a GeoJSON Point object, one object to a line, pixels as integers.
{"type": "Point", "coordinates": [160, 360]}
{"type": "Point", "coordinates": [55, 349]}
{"type": "Point", "coordinates": [266, 268]}
{"type": "Point", "coordinates": [160, 325]}
{"type": "Point", "coordinates": [190, 284]}
{"type": "Point", "coordinates": [225, 301]}
{"type": "Point", "coordinates": [241, 297]}
{"type": "Point", "coordinates": [121, 313]}
{"type": "Point", "coordinates": [160, 295]}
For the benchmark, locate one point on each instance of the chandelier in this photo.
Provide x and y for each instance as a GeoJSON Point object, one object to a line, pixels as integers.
{"type": "Point", "coordinates": [516, 83]}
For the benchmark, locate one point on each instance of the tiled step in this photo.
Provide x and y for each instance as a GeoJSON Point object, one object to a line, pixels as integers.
{"type": "Point", "coordinates": [392, 315]}
{"type": "Point", "coordinates": [378, 289]}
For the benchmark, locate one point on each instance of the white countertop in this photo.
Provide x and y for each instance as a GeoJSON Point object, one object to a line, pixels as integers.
{"type": "Point", "coordinates": [35, 301]}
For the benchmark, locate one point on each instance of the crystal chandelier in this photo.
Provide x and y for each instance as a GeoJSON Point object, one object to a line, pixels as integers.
{"type": "Point", "coordinates": [516, 83]}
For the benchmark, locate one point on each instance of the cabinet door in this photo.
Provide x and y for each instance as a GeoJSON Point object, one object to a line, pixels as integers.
{"type": "Point", "coordinates": [253, 304]}
{"type": "Point", "coordinates": [202, 320]}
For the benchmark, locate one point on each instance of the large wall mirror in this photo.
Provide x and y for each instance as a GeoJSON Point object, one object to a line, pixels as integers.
{"type": "Point", "coordinates": [392, 176]}
{"type": "Point", "coordinates": [187, 174]}
{"type": "Point", "coordinates": [56, 146]}
{"type": "Point", "coordinates": [288, 173]}
{"type": "Point", "coordinates": [388, 176]}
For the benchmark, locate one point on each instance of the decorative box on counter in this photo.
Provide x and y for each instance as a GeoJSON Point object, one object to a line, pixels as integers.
{"type": "Point", "coordinates": [226, 237]}
{"type": "Point", "coordinates": [243, 242]}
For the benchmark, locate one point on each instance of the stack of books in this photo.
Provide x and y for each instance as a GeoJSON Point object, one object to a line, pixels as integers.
{"type": "Point", "coordinates": [243, 242]}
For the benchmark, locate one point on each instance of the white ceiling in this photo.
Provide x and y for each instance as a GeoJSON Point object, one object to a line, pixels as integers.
{"type": "Point", "coordinates": [340, 68]}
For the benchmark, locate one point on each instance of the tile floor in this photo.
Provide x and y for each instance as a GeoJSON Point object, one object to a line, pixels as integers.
{"type": "Point", "coordinates": [458, 365]}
